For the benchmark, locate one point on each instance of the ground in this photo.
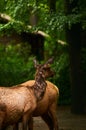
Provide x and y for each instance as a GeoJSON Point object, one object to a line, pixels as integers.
{"type": "Point", "coordinates": [66, 120]}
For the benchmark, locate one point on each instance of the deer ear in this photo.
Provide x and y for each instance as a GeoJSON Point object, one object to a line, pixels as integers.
{"type": "Point", "coordinates": [47, 64]}
{"type": "Point", "coordinates": [50, 61]}
{"type": "Point", "coordinates": [35, 63]}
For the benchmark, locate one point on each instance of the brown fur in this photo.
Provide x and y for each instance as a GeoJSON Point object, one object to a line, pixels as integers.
{"type": "Point", "coordinates": [20, 101]}
{"type": "Point", "coordinates": [47, 107]}
{"type": "Point", "coordinates": [17, 103]}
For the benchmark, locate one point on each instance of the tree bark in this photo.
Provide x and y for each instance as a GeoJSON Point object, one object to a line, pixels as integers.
{"type": "Point", "coordinates": [52, 5]}
{"type": "Point", "coordinates": [77, 97]}
{"type": "Point", "coordinates": [73, 36]}
{"type": "Point", "coordinates": [37, 43]}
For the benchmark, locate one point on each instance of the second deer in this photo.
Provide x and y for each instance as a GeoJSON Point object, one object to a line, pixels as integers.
{"type": "Point", "coordinates": [47, 107]}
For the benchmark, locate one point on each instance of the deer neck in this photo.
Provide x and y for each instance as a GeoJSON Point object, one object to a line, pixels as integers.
{"type": "Point", "coordinates": [39, 87]}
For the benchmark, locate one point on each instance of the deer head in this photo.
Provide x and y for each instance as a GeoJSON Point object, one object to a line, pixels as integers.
{"type": "Point", "coordinates": [44, 69]}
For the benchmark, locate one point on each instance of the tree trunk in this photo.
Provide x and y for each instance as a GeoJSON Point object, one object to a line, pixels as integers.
{"type": "Point", "coordinates": [74, 40]}
{"type": "Point", "coordinates": [36, 40]}
{"type": "Point", "coordinates": [73, 36]}
{"type": "Point", "coordinates": [37, 43]}
{"type": "Point", "coordinates": [52, 5]}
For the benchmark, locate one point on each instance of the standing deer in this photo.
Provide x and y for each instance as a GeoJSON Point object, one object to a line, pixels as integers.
{"type": "Point", "coordinates": [18, 102]}
{"type": "Point", "coordinates": [47, 107]}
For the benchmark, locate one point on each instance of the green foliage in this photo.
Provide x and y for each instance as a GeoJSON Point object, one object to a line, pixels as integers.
{"type": "Point", "coordinates": [14, 26]}
{"type": "Point", "coordinates": [2, 5]}
{"type": "Point", "coordinates": [61, 78]}
{"type": "Point", "coordinates": [62, 71]}
{"type": "Point", "coordinates": [21, 11]}
{"type": "Point", "coordinates": [13, 68]}
{"type": "Point", "coordinates": [61, 68]}
{"type": "Point", "coordinates": [18, 9]}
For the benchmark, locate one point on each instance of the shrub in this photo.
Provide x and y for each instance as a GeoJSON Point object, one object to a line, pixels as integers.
{"type": "Point", "coordinates": [13, 68]}
{"type": "Point", "coordinates": [61, 78]}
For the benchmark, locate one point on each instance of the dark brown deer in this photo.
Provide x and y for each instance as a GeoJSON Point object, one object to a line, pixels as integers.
{"type": "Point", "coordinates": [20, 101]}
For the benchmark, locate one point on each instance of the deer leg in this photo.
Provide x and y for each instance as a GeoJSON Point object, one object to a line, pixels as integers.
{"type": "Point", "coordinates": [16, 126]}
{"type": "Point", "coordinates": [46, 117]}
{"type": "Point", "coordinates": [53, 114]}
{"type": "Point", "coordinates": [26, 120]}
{"type": "Point", "coordinates": [30, 124]}
{"type": "Point", "coordinates": [2, 117]}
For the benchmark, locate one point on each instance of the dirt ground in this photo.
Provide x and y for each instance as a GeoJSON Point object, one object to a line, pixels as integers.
{"type": "Point", "coordinates": [66, 120]}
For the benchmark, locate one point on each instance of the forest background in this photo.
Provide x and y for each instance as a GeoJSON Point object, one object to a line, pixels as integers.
{"type": "Point", "coordinates": [42, 29]}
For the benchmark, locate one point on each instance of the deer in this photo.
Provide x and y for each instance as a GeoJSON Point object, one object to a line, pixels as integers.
{"type": "Point", "coordinates": [18, 102]}
{"type": "Point", "coordinates": [46, 108]}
